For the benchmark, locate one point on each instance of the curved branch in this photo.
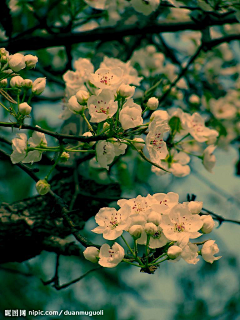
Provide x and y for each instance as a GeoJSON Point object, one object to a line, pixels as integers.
{"type": "Point", "coordinates": [113, 33]}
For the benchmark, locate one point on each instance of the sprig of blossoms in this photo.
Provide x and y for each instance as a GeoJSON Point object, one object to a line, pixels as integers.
{"type": "Point", "coordinates": [156, 221]}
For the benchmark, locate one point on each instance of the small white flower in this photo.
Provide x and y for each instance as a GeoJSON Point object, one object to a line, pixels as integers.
{"type": "Point", "coordinates": [159, 116]}
{"type": "Point", "coordinates": [31, 61]}
{"type": "Point", "coordinates": [152, 103]}
{"type": "Point", "coordinates": [138, 205]}
{"type": "Point", "coordinates": [111, 222]}
{"type": "Point", "coordinates": [16, 62]}
{"type": "Point", "coordinates": [150, 228]}
{"type": "Point", "coordinates": [102, 106]}
{"type": "Point", "coordinates": [190, 253]}
{"type": "Point", "coordinates": [27, 83]}
{"type": "Point", "coordinates": [136, 231]}
{"type": "Point", "coordinates": [119, 147]}
{"type": "Point", "coordinates": [208, 250]}
{"type": "Point", "coordinates": [111, 257]}
{"type": "Point", "coordinates": [208, 224]}
{"type": "Point", "coordinates": [106, 78]}
{"type": "Point", "coordinates": [24, 108]}
{"type": "Point", "coordinates": [74, 106]}
{"type": "Point", "coordinates": [91, 254]}
{"type": "Point", "coordinates": [174, 252]}
{"type": "Point", "coordinates": [180, 222]}
{"type": "Point", "coordinates": [209, 159]}
{"type": "Point", "coordinates": [126, 91]}
{"type": "Point", "coordinates": [195, 125]}
{"type": "Point", "coordinates": [154, 217]}
{"type": "Point", "coordinates": [131, 115]}
{"type": "Point", "coordinates": [38, 86]}
{"type": "Point", "coordinates": [105, 153]}
{"type": "Point", "coordinates": [16, 82]}
{"type": "Point", "coordinates": [19, 145]}
{"type": "Point", "coordinates": [156, 146]}
{"type": "Point", "coordinates": [82, 96]}
{"type": "Point", "coordinates": [195, 207]}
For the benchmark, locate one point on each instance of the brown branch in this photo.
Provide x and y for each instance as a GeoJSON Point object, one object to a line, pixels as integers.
{"type": "Point", "coordinates": [56, 135]}
{"type": "Point", "coordinates": [109, 34]}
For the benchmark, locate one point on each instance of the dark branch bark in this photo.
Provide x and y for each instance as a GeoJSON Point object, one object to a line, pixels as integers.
{"type": "Point", "coordinates": [109, 34]}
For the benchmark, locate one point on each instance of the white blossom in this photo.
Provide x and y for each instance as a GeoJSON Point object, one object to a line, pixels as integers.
{"type": "Point", "coordinates": [174, 252]}
{"type": "Point", "coordinates": [16, 62]}
{"type": "Point", "coordinates": [91, 254]}
{"type": "Point", "coordinates": [126, 91]}
{"type": "Point", "coordinates": [82, 96]}
{"type": "Point", "coordinates": [24, 108]}
{"type": "Point", "coordinates": [102, 106]}
{"type": "Point", "coordinates": [106, 78]}
{"type": "Point", "coordinates": [209, 249]}
{"type": "Point", "coordinates": [209, 159]}
{"type": "Point", "coordinates": [105, 153]}
{"type": "Point", "coordinates": [208, 224]}
{"type": "Point", "coordinates": [38, 86]}
{"type": "Point", "coordinates": [180, 222]}
{"type": "Point", "coordinates": [195, 207]}
{"type": "Point", "coordinates": [136, 231]}
{"type": "Point", "coordinates": [16, 82]}
{"type": "Point", "coordinates": [156, 146]}
{"type": "Point", "coordinates": [131, 115]}
{"type": "Point", "coordinates": [111, 257]}
{"type": "Point", "coordinates": [152, 103]}
{"type": "Point", "coordinates": [74, 106]}
{"type": "Point", "coordinates": [31, 61]}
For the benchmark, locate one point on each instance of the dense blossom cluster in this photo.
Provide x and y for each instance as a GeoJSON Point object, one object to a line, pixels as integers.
{"type": "Point", "coordinates": [155, 221]}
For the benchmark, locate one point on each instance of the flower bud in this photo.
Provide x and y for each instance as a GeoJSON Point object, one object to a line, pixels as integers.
{"type": "Point", "coordinates": [195, 207]}
{"type": "Point", "coordinates": [24, 108]}
{"type": "Point", "coordinates": [74, 106]}
{"type": "Point", "coordinates": [3, 83]}
{"type": "Point", "coordinates": [64, 157]}
{"type": "Point", "coordinates": [208, 224]}
{"type": "Point", "coordinates": [82, 96]}
{"type": "Point", "coordinates": [174, 252]}
{"type": "Point", "coordinates": [16, 82]}
{"type": "Point", "coordinates": [194, 99]}
{"type": "Point", "coordinates": [155, 218]}
{"type": "Point", "coordinates": [106, 126]}
{"type": "Point", "coordinates": [138, 143]}
{"type": "Point", "coordinates": [152, 103]}
{"type": "Point", "coordinates": [16, 62]}
{"type": "Point", "coordinates": [126, 91]}
{"type": "Point", "coordinates": [208, 250]}
{"type": "Point", "coordinates": [91, 254]}
{"type": "Point", "coordinates": [31, 61]}
{"type": "Point", "coordinates": [136, 231]}
{"type": "Point", "coordinates": [43, 187]}
{"type": "Point", "coordinates": [89, 134]}
{"type": "Point", "coordinates": [27, 83]}
{"type": "Point", "coordinates": [150, 228]}
{"type": "Point", "coordinates": [4, 54]}
{"type": "Point", "coordinates": [38, 86]}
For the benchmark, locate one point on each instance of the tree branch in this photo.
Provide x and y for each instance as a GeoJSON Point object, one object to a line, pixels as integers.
{"type": "Point", "coordinates": [109, 34]}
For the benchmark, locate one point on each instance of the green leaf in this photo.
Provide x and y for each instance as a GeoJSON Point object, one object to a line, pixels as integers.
{"type": "Point", "coordinates": [175, 124]}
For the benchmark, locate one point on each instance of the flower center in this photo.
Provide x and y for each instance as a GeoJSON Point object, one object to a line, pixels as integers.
{"type": "Point", "coordinates": [179, 227]}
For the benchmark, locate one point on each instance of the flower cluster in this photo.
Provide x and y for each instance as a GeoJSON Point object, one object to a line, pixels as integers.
{"type": "Point", "coordinates": [10, 66]}
{"type": "Point", "coordinates": [107, 95]}
{"type": "Point", "coordinates": [155, 221]}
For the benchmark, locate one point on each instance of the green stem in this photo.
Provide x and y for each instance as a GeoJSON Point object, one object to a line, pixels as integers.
{"type": "Point", "coordinates": [71, 150]}
{"type": "Point", "coordinates": [153, 264]}
{"type": "Point", "coordinates": [164, 254]}
{"type": "Point", "coordinates": [88, 123]}
{"type": "Point", "coordinates": [53, 167]}
{"type": "Point", "coordinates": [4, 107]}
{"type": "Point", "coordinates": [133, 264]}
{"type": "Point", "coordinates": [136, 257]}
{"type": "Point", "coordinates": [147, 244]}
{"type": "Point", "coordinates": [187, 135]}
